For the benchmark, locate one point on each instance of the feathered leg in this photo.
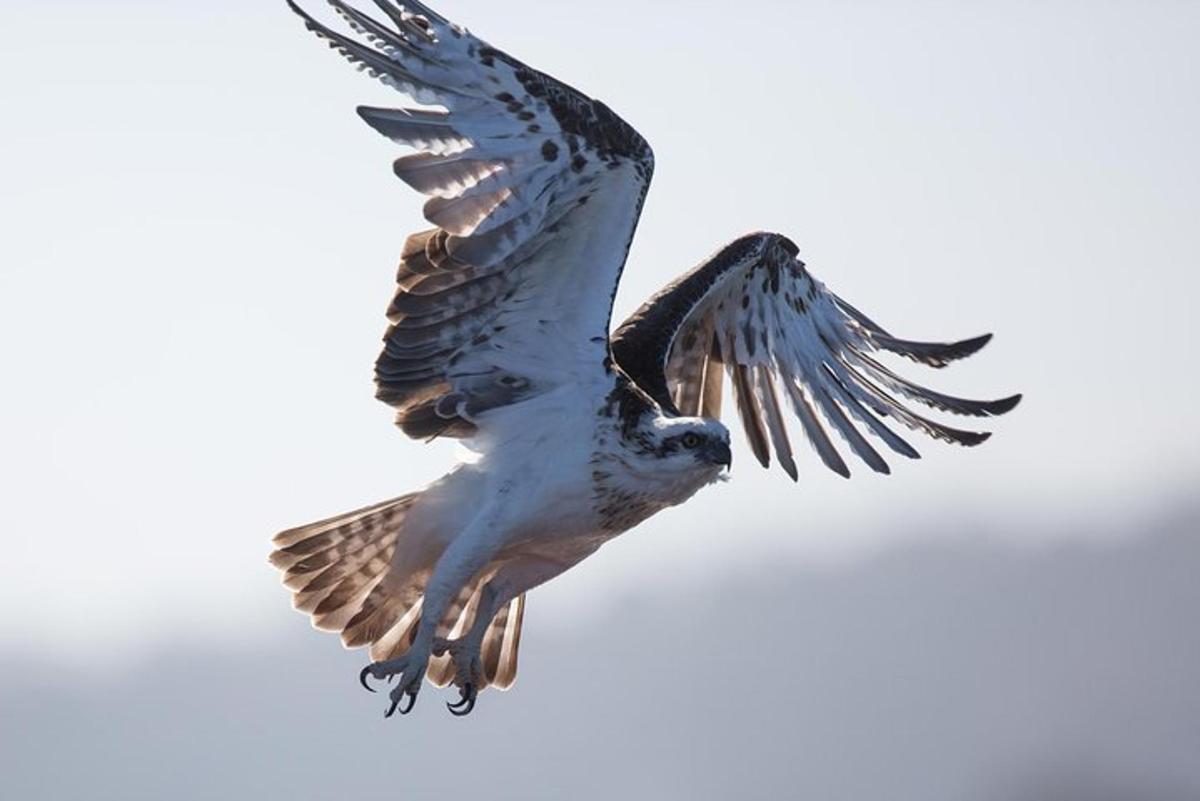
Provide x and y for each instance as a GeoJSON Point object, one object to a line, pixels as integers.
{"type": "Point", "coordinates": [466, 650]}
{"type": "Point", "coordinates": [469, 553]}
{"type": "Point", "coordinates": [512, 579]}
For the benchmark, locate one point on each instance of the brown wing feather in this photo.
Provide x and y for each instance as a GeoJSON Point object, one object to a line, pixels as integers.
{"type": "Point", "coordinates": [751, 413]}
{"type": "Point", "coordinates": [714, 382]}
{"type": "Point", "coordinates": [521, 171]}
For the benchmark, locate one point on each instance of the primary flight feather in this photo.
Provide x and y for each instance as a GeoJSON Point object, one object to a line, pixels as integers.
{"type": "Point", "coordinates": [500, 336]}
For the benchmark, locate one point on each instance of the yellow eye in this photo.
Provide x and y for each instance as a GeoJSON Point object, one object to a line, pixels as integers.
{"type": "Point", "coordinates": [691, 441]}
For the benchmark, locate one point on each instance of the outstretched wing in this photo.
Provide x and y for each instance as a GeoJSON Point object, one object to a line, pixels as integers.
{"type": "Point", "coordinates": [535, 191]}
{"type": "Point", "coordinates": [754, 312]}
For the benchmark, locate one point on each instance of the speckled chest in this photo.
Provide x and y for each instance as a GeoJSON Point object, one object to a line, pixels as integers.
{"type": "Point", "coordinates": [617, 506]}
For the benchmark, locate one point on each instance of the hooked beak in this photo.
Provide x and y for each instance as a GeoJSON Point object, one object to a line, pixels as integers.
{"type": "Point", "coordinates": [719, 453]}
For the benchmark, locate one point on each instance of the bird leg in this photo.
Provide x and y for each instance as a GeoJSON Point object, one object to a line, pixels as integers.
{"type": "Point", "coordinates": [462, 560]}
{"type": "Point", "coordinates": [513, 578]}
{"type": "Point", "coordinates": [465, 653]}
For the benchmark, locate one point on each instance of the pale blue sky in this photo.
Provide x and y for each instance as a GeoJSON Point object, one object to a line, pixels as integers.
{"type": "Point", "coordinates": [200, 238]}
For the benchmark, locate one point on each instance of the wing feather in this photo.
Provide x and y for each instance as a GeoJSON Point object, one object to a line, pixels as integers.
{"type": "Point", "coordinates": [527, 179]}
{"type": "Point", "coordinates": [813, 429]}
{"type": "Point", "coordinates": [772, 323]}
{"type": "Point", "coordinates": [929, 397]}
{"type": "Point", "coordinates": [752, 414]}
{"type": "Point", "coordinates": [853, 403]}
{"type": "Point", "coordinates": [854, 438]}
{"type": "Point", "coordinates": [776, 424]}
{"type": "Point", "coordinates": [714, 382]}
{"type": "Point", "coordinates": [690, 363]}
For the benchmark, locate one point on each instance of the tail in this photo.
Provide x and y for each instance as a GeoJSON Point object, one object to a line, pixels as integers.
{"type": "Point", "coordinates": [501, 643]}
{"type": "Point", "coordinates": [343, 573]}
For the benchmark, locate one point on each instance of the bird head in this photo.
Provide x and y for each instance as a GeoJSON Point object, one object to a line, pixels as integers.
{"type": "Point", "coordinates": [676, 456]}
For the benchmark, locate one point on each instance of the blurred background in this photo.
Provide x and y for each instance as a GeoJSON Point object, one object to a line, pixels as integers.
{"type": "Point", "coordinates": [199, 241]}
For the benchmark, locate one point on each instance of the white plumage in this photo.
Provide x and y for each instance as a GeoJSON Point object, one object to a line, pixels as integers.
{"type": "Point", "coordinates": [500, 336]}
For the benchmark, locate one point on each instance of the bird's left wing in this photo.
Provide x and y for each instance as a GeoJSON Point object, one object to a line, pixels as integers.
{"type": "Point", "coordinates": [753, 311]}
{"type": "Point", "coordinates": [535, 191]}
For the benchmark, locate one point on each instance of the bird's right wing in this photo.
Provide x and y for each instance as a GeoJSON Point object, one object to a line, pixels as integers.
{"type": "Point", "coordinates": [535, 191]}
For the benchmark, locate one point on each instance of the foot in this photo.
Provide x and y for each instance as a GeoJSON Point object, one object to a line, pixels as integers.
{"type": "Point", "coordinates": [468, 672]}
{"type": "Point", "coordinates": [410, 669]}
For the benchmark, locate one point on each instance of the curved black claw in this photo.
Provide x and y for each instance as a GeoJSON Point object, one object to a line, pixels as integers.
{"type": "Point", "coordinates": [362, 679]}
{"type": "Point", "coordinates": [411, 695]}
{"type": "Point", "coordinates": [466, 702]}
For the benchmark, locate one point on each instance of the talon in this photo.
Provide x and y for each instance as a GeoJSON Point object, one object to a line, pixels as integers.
{"type": "Point", "coordinates": [362, 679]}
{"type": "Point", "coordinates": [395, 707]}
{"type": "Point", "coordinates": [468, 695]}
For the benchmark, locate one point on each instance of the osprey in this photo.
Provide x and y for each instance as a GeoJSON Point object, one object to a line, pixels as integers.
{"type": "Point", "coordinates": [500, 337]}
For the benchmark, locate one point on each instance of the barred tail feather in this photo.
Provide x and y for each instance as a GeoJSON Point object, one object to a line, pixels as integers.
{"type": "Point", "coordinates": [498, 652]}
{"type": "Point", "coordinates": [502, 643]}
{"type": "Point", "coordinates": [336, 567]}
{"type": "Point", "coordinates": [346, 574]}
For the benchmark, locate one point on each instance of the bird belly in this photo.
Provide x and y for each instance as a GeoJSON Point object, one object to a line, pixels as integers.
{"type": "Point", "coordinates": [545, 482]}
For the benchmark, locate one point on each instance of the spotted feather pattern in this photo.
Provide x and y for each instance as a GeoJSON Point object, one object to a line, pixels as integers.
{"type": "Point", "coordinates": [754, 311]}
{"type": "Point", "coordinates": [534, 191]}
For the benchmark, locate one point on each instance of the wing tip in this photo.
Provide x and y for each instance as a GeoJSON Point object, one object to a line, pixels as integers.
{"type": "Point", "coordinates": [370, 114]}
{"type": "Point", "coordinates": [934, 354]}
{"type": "Point", "coordinates": [1005, 405]}
{"type": "Point", "coordinates": [966, 348]}
{"type": "Point", "coordinates": [977, 343]}
{"type": "Point", "coordinates": [972, 439]}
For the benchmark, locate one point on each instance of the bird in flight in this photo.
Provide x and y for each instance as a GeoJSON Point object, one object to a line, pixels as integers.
{"type": "Point", "coordinates": [500, 336]}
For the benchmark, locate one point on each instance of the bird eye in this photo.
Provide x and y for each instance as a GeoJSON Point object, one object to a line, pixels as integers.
{"type": "Point", "coordinates": [691, 441]}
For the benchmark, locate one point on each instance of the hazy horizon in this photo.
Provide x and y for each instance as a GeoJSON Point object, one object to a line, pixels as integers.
{"type": "Point", "coordinates": [958, 668]}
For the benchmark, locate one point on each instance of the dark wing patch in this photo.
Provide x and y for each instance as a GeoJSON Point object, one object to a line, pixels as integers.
{"type": "Point", "coordinates": [754, 312]}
